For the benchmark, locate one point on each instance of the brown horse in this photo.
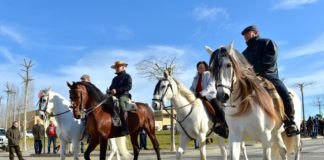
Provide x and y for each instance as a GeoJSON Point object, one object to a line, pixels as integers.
{"type": "Point", "coordinates": [89, 100]}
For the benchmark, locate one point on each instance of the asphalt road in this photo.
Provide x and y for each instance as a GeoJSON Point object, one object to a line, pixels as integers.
{"type": "Point", "coordinates": [313, 149]}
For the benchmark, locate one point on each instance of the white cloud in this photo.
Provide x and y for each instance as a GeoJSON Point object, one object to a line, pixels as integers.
{"type": "Point", "coordinates": [311, 48]}
{"type": "Point", "coordinates": [97, 64]}
{"type": "Point", "coordinates": [205, 13]}
{"type": "Point", "coordinates": [291, 4]}
{"type": "Point", "coordinates": [315, 89]}
{"type": "Point", "coordinates": [12, 34]}
{"type": "Point", "coordinates": [5, 53]}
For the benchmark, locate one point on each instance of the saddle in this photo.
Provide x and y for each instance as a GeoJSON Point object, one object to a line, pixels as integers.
{"type": "Point", "coordinates": [210, 110]}
{"type": "Point", "coordinates": [276, 99]}
{"type": "Point", "coordinates": [131, 106]}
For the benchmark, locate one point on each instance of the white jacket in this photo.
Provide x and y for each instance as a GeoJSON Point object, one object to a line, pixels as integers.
{"type": "Point", "coordinates": [208, 85]}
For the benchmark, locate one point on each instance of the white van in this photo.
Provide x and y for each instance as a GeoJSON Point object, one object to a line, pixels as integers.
{"type": "Point", "coordinates": [3, 140]}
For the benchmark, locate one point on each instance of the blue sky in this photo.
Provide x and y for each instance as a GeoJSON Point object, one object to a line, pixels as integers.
{"type": "Point", "coordinates": [68, 38]}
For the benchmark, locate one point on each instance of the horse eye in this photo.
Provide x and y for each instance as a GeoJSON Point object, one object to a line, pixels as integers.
{"type": "Point", "coordinates": [162, 87]}
{"type": "Point", "coordinates": [228, 65]}
{"type": "Point", "coordinates": [43, 100]}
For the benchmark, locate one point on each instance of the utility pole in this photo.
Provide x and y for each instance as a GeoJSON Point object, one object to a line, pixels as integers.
{"type": "Point", "coordinates": [26, 80]}
{"type": "Point", "coordinates": [301, 86]}
{"type": "Point", "coordinates": [9, 91]}
{"type": "Point", "coordinates": [319, 104]}
{"type": "Point", "coordinates": [172, 130]}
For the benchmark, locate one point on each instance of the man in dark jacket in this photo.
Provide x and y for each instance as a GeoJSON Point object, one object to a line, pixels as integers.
{"type": "Point", "coordinates": [263, 54]}
{"type": "Point", "coordinates": [38, 133]}
{"type": "Point", "coordinates": [120, 87]}
{"type": "Point", "coordinates": [13, 135]}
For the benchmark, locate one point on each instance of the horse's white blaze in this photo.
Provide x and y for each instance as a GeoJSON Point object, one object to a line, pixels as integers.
{"type": "Point", "coordinates": [256, 123]}
{"type": "Point", "coordinates": [71, 129]}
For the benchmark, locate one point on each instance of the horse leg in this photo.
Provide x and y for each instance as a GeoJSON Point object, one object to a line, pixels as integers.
{"type": "Point", "coordinates": [202, 140]}
{"type": "Point", "coordinates": [93, 144]}
{"type": "Point", "coordinates": [235, 144]}
{"type": "Point", "coordinates": [114, 149]}
{"type": "Point", "coordinates": [155, 143]}
{"type": "Point", "coordinates": [243, 149]}
{"type": "Point", "coordinates": [63, 148]}
{"type": "Point", "coordinates": [278, 145]}
{"type": "Point", "coordinates": [182, 147]}
{"type": "Point", "coordinates": [297, 147]}
{"type": "Point", "coordinates": [76, 145]}
{"type": "Point", "coordinates": [136, 149]}
{"type": "Point", "coordinates": [222, 146]}
{"type": "Point", "coordinates": [266, 144]}
{"type": "Point", "coordinates": [103, 148]}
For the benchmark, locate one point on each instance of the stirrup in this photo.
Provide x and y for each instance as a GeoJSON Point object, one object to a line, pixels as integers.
{"type": "Point", "coordinates": [291, 130]}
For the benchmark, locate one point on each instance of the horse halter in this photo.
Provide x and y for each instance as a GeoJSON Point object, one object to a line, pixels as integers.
{"type": "Point", "coordinates": [163, 95]}
{"type": "Point", "coordinates": [72, 99]}
{"type": "Point", "coordinates": [223, 53]}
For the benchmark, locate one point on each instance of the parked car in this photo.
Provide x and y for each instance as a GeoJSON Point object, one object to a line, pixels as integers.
{"type": "Point", "coordinates": [167, 127]}
{"type": "Point", "coordinates": [3, 140]}
{"type": "Point", "coordinates": [29, 134]}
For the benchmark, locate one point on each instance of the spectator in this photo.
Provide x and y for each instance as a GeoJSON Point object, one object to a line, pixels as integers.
{"type": "Point", "coordinates": [196, 144]}
{"type": "Point", "coordinates": [143, 139]}
{"type": "Point", "coordinates": [51, 134]}
{"type": "Point", "coordinates": [38, 133]}
{"type": "Point", "coordinates": [85, 78]}
{"type": "Point", "coordinates": [13, 135]}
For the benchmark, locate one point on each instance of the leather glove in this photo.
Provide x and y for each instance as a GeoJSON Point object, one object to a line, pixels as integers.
{"type": "Point", "coordinates": [198, 95]}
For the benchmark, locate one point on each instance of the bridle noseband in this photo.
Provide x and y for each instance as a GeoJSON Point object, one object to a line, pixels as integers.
{"type": "Point", "coordinates": [163, 95]}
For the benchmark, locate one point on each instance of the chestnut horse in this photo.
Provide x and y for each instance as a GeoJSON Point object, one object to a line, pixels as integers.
{"type": "Point", "coordinates": [87, 100]}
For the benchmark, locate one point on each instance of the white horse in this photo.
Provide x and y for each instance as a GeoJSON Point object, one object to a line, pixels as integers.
{"type": "Point", "coordinates": [72, 130]}
{"type": "Point", "coordinates": [249, 109]}
{"type": "Point", "coordinates": [192, 118]}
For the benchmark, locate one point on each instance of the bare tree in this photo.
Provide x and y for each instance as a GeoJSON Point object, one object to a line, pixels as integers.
{"type": "Point", "coordinates": [26, 79]}
{"type": "Point", "coordinates": [9, 92]}
{"type": "Point", "coordinates": [301, 86]}
{"type": "Point", "coordinates": [154, 70]}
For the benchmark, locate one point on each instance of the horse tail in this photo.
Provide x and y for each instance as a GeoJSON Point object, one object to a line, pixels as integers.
{"type": "Point", "coordinates": [122, 147]}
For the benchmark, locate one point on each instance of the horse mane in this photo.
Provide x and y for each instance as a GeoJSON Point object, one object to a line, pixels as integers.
{"type": "Point", "coordinates": [185, 92]}
{"type": "Point", "coordinates": [248, 83]}
{"type": "Point", "coordinates": [93, 90]}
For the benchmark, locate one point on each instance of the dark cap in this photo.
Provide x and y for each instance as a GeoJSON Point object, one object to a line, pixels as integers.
{"type": "Point", "coordinates": [250, 28]}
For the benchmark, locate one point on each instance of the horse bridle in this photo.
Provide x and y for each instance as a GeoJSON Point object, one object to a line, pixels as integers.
{"type": "Point", "coordinates": [218, 74]}
{"type": "Point", "coordinates": [163, 95]}
{"type": "Point", "coordinates": [45, 108]}
{"type": "Point", "coordinates": [81, 107]}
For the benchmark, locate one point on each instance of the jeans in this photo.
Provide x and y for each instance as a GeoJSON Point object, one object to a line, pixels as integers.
{"type": "Point", "coordinates": [38, 146]}
{"type": "Point", "coordinates": [51, 140]}
{"type": "Point", "coordinates": [143, 140]}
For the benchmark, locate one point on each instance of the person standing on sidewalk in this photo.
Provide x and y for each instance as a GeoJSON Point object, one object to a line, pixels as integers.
{"type": "Point", "coordinates": [38, 133]}
{"type": "Point", "coordinates": [51, 134]}
{"type": "Point", "coordinates": [13, 135]}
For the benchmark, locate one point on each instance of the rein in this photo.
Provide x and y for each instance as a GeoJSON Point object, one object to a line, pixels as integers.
{"type": "Point", "coordinates": [179, 122]}
{"type": "Point", "coordinates": [88, 111]}
{"type": "Point", "coordinates": [50, 114]}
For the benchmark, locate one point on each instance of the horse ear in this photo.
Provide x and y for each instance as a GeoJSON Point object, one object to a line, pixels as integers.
{"type": "Point", "coordinates": [68, 84]}
{"type": "Point", "coordinates": [209, 50]}
{"type": "Point", "coordinates": [166, 74]}
{"type": "Point", "coordinates": [231, 48]}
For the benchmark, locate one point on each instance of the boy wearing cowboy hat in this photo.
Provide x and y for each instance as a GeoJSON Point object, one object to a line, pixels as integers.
{"type": "Point", "coordinates": [120, 87]}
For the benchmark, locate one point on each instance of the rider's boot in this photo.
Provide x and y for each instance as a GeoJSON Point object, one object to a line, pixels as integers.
{"type": "Point", "coordinates": [124, 130]}
{"type": "Point", "coordinates": [289, 123]}
{"type": "Point", "coordinates": [222, 128]}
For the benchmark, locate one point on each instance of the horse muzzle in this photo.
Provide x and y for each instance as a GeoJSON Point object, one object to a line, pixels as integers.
{"type": "Point", "coordinates": [222, 97]}
{"type": "Point", "coordinates": [156, 105]}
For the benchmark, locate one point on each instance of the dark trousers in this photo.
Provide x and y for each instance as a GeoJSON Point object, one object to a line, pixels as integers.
{"type": "Point", "coordinates": [284, 94]}
{"type": "Point", "coordinates": [143, 140]}
{"type": "Point", "coordinates": [38, 146]}
{"type": "Point", "coordinates": [16, 149]}
{"type": "Point", "coordinates": [51, 140]}
{"type": "Point", "coordinates": [220, 115]}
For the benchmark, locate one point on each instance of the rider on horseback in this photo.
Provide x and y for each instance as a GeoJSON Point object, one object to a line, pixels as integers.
{"type": "Point", "coordinates": [262, 54]}
{"type": "Point", "coordinates": [203, 86]}
{"type": "Point", "coordinates": [120, 87]}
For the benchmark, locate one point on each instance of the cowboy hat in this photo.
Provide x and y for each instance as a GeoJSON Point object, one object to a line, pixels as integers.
{"type": "Point", "coordinates": [119, 63]}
